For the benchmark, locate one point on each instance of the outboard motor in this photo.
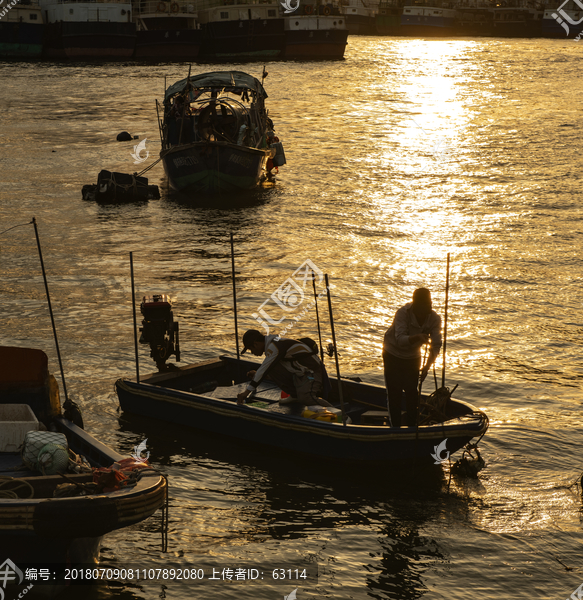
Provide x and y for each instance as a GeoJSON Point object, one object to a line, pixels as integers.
{"type": "Point", "coordinates": [159, 329]}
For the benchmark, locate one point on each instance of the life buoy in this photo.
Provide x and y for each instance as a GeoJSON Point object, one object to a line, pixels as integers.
{"type": "Point", "coordinates": [308, 9]}
{"type": "Point", "coordinates": [161, 7]}
{"type": "Point", "coordinates": [174, 7]}
{"type": "Point", "coordinates": [326, 10]}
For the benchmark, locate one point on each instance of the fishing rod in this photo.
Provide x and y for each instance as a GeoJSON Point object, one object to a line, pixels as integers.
{"type": "Point", "coordinates": [335, 351]}
{"type": "Point", "coordinates": [445, 323]}
{"type": "Point", "coordinates": [42, 264]}
{"type": "Point", "coordinates": [317, 316]}
{"type": "Point", "coordinates": [135, 318]}
{"type": "Point", "coordinates": [234, 295]}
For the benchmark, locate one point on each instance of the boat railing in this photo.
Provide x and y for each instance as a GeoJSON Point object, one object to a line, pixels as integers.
{"type": "Point", "coordinates": [92, 1]}
{"type": "Point", "coordinates": [206, 4]}
{"type": "Point", "coordinates": [29, 4]}
{"type": "Point", "coordinates": [148, 7]}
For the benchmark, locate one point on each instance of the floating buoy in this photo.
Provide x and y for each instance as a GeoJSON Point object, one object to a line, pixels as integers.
{"type": "Point", "coordinates": [124, 136]}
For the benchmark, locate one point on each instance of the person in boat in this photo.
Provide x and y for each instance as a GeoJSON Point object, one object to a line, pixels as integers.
{"type": "Point", "coordinates": [414, 325]}
{"type": "Point", "coordinates": [270, 138]}
{"type": "Point", "coordinates": [291, 364]}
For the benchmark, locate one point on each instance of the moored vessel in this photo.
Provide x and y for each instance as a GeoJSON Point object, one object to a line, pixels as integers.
{"type": "Point", "coordinates": [475, 18]}
{"type": "Point", "coordinates": [216, 133]}
{"type": "Point", "coordinates": [315, 32]}
{"type": "Point", "coordinates": [166, 30]}
{"type": "Point", "coordinates": [388, 17]}
{"type": "Point", "coordinates": [102, 29]}
{"type": "Point", "coordinates": [21, 29]}
{"type": "Point", "coordinates": [360, 16]}
{"type": "Point", "coordinates": [566, 21]}
{"type": "Point", "coordinates": [430, 19]}
{"type": "Point", "coordinates": [517, 18]}
{"type": "Point", "coordinates": [242, 30]}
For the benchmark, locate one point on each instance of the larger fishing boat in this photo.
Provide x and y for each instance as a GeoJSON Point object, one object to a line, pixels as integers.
{"type": "Point", "coordinates": [216, 133]}
{"type": "Point", "coordinates": [428, 19]}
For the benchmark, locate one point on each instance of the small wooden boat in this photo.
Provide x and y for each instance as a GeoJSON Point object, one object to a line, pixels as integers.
{"type": "Point", "coordinates": [204, 396]}
{"type": "Point", "coordinates": [55, 515]}
{"type": "Point", "coordinates": [216, 133]}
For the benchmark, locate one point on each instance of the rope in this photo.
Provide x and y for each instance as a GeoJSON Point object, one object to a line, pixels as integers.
{"type": "Point", "coordinates": [148, 168]}
{"type": "Point", "coordinates": [15, 226]}
{"type": "Point", "coordinates": [11, 493]}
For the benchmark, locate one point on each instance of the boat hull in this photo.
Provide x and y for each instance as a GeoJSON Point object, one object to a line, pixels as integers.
{"type": "Point", "coordinates": [243, 39]}
{"type": "Point", "coordinates": [214, 167]}
{"type": "Point", "coordinates": [289, 432]}
{"type": "Point", "coordinates": [21, 40]}
{"type": "Point", "coordinates": [316, 44]}
{"type": "Point", "coordinates": [90, 40]}
{"type": "Point", "coordinates": [171, 44]}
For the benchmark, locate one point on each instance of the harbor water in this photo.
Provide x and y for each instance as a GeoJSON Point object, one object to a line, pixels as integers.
{"type": "Point", "coordinates": [406, 151]}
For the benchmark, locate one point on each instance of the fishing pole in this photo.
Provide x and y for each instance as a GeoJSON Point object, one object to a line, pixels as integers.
{"type": "Point", "coordinates": [317, 316]}
{"type": "Point", "coordinates": [335, 350]}
{"type": "Point", "coordinates": [40, 254]}
{"type": "Point", "coordinates": [234, 295]}
{"type": "Point", "coordinates": [445, 322]}
{"type": "Point", "coordinates": [135, 318]}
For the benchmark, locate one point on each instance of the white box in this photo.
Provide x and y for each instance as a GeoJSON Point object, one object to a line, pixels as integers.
{"type": "Point", "coordinates": [16, 420]}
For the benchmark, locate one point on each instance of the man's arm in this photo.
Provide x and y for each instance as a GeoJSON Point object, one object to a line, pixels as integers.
{"type": "Point", "coordinates": [270, 357]}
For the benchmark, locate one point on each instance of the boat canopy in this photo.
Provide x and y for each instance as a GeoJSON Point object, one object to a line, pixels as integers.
{"type": "Point", "coordinates": [217, 80]}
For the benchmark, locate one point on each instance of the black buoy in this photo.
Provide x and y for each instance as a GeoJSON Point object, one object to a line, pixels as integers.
{"type": "Point", "coordinates": [124, 136]}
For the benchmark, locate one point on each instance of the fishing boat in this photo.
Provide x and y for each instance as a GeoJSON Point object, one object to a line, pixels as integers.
{"type": "Point", "coordinates": [61, 490]}
{"type": "Point", "coordinates": [204, 396]}
{"type": "Point", "coordinates": [216, 133]}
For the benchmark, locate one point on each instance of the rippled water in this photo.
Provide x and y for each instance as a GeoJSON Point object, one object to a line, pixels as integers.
{"type": "Point", "coordinates": [370, 196]}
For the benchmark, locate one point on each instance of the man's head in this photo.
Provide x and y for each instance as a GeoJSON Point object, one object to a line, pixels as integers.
{"type": "Point", "coordinates": [422, 301]}
{"type": "Point", "coordinates": [254, 341]}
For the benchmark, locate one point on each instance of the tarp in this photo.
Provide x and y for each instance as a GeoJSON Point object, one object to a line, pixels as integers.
{"type": "Point", "coordinates": [218, 79]}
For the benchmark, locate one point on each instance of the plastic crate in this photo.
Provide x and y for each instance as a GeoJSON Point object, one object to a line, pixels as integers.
{"type": "Point", "coordinates": [16, 420]}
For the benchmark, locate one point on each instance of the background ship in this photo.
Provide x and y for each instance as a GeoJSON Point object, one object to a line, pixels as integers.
{"type": "Point", "coordinates": [316, 31]}
{"type": "Point", "coordinates": [21, 30]}
{"type": "Point", "coordinates": [89, 30]}
{"type": "Point", "coordinates": [166, 30]}
{"type": "Point", "coordinates": [242, 30]}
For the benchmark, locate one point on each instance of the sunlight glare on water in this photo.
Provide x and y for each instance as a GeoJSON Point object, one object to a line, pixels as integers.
{"type": "Point", "coordinates": [406, 151]}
